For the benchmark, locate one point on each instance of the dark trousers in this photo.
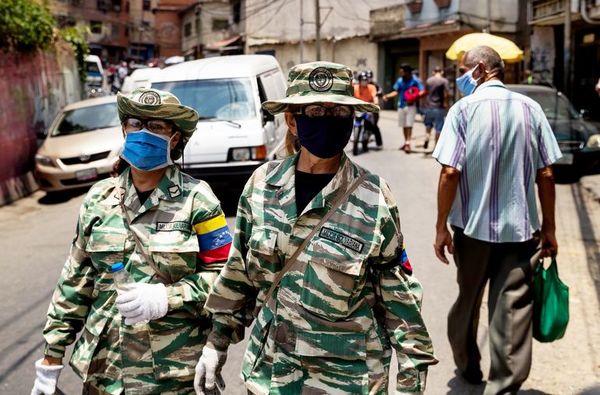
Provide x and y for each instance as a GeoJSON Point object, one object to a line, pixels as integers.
{"type": "Point", "coordinates": [509, 269]}
{"type": "Point", "coordinates": [372, 126]}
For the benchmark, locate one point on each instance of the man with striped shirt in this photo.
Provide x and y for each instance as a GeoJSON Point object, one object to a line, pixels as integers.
{"type": "Point", "coordinates": [494, 146]}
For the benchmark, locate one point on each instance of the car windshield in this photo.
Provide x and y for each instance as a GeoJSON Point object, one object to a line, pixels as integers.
{"type": "Point", "coordinates": [87, 118]}
{"type": "Point", "coordinates": [92, 67]}
{"type": "Point", "coordinates": [220, 99]}
{"type": "Point", "coordinates": [554, 106]}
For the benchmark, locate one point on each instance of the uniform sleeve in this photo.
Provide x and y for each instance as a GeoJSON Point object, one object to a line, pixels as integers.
{"type": "Point", "coordinates": [397, 85]}
{"type": "Point", "coordinates": [233, 297]}
{"type": "Point", "coordinates": [548, 150]}
{"type": "Point", "coordinates": [451, 149]}
{"type": "Point", "coordinates": [214, 240]}
{"type": "Point", "coordinates": [72, 296]}
{"type": "Point", "coordinates": [398, 300]}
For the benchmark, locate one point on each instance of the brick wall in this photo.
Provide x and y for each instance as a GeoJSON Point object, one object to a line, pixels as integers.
{"type": "Point", "coordinates": [33, 88]}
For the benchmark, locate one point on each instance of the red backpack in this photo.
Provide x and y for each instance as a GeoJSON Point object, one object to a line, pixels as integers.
{"type": "Point", "coordinates": [411, 95]}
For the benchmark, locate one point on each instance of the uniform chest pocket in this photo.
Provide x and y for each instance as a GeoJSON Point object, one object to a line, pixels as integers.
{"type": "Point", "coordinates": [331, 280]}
{"type": "Point", "coordinates": [174, 252]}
{"type": "Point", "coordinates": [262, 259]}
{"type": "Point", "coordinates": [105, 249]}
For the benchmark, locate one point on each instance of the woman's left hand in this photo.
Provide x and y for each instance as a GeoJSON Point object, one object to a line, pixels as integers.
{"type": "Point", "coordinates": [143, 302]}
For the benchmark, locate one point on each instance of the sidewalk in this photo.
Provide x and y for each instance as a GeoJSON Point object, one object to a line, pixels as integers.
{"type": "Point", "coordinates": [592, 185]}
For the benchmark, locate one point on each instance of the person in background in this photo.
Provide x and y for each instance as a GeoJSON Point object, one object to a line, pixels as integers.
{"type": "Point", "coordinates": [438, 91]}
{"type": "Point", "coordinates": [318, 261]}
{"type": "Point", "coordinates": [495, 146]}
{"type": "Point", "coordinates": [408, 89]}
{"type": "Point", "coordinates": [169, 231]}
{"type": "Point", "coordinates": [379, 94]}
{"type": "Point", "coordinates": [366, 91]}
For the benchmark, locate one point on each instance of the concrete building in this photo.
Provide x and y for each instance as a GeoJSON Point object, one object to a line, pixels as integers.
{"type": "Point", "coordinates": [575, 74]}
{"type": "Point", "coordinates": [286, 30]}
{"type": "Point", "coordinates": [211, 28]}
{"type": "Point", "coordinates": [107, 21]}
{"type": "Point", "coordinates": [418, 33]}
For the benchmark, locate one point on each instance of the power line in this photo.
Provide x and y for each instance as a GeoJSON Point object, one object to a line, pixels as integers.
{"type": "Point", "coordinates": [269, 20]}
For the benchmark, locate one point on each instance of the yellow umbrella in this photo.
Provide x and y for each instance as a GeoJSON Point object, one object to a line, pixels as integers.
{"type": "Point", "coordinates": [508, 50]}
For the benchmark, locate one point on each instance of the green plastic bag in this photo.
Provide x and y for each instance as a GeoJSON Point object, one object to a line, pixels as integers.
{"type": "Point", "coordinates": [550, 304]}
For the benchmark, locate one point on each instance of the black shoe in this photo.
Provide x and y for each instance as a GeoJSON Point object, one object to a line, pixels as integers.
{"type": "Point", "coordinates": [426, 144]}
{"type": "Point", "coordinates": [472, 376]}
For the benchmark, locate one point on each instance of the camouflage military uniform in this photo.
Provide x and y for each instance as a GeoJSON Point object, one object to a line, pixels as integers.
{"type": "Point", "coordinates": [181, 224]}
{"type": "Point", "coordinates": [349, 300]}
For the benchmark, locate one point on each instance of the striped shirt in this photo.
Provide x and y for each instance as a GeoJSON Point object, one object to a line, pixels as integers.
{"type": "Point", "coordinates": [497, 139]}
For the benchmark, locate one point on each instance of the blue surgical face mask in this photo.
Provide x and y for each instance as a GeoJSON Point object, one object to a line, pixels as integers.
{"type": "Point", "coordinates": [466, 83]}
{"type": "Point", "coordinates": [146, 151]}
{"type": "Point", "coordinates": [324, 137]}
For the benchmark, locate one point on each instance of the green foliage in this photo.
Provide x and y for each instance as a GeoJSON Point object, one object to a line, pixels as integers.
{"type": "Point", "coordinates": [76, 37]}
{"type": "Point", "coordinates": [25, 25]}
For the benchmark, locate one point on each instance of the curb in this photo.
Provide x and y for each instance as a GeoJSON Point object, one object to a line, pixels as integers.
{"type": "Point", "coordinates": [592, 185]}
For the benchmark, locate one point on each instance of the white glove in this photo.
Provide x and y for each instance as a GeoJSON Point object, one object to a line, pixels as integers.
{"type": "Point", "coordinates": [208, 370]}
{"type": "Point", "coordinates": [46, 377]}
{"type": "Point", "coordinates": [143, 302]}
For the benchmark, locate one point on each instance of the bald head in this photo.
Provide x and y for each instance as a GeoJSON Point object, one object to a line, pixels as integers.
{"type": "Point", "coordinates": [491, 60]}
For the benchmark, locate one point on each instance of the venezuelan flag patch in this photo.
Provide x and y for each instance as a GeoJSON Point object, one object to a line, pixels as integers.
{"type": "Point", "coordinates": [405, 262]}
{"type": "Point", "coordinates": [214, 239]}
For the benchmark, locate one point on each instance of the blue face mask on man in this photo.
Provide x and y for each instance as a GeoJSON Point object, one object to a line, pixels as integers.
{"type": "Point", "coordinates": [466, 83]}
{"type": "Point", "coordinates": [324, 137]}
{"type": "Point", "coordinates": [146, 151]}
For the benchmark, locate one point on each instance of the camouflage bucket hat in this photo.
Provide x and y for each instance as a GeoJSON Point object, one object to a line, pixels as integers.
{"type": "Point", "coordinates": [153, 103]}
{"type": "Point", "coordinates": [319, 82]}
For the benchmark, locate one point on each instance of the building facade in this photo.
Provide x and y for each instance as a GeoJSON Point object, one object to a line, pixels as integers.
{"type": "Point", "coordinates": [566, 60]}
{"type": "Point", "coordinates": [287, 30]}
{"type": "Point", "coordinates": [107, 22]}
{"type": "Point", "coordinates": [419, 32]}
{"type": "Point", "coordinates": [211, 28]}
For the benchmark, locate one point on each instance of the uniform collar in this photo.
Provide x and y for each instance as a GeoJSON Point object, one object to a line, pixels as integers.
{"type": "Point", "coordinates": [169, 188]}
{"type": "Point", "coordinates": [283, 178]}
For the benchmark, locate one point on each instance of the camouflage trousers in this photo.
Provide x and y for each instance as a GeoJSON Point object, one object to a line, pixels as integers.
{"type": "Point", "coordinates": [108, 387]}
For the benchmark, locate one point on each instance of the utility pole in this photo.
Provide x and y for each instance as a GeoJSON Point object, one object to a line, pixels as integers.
{"type": "Point", "coordinates": [318, 30]}
{"type": "Point", "coordinates": [301, 32]}
{"type": "Point", "coordinates": [567, 49]}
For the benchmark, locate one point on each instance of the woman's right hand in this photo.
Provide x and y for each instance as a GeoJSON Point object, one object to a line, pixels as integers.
{"type": "Point", "coordinates": [208, 379]}
{"type": "Point", "coordinates": [47, 371]}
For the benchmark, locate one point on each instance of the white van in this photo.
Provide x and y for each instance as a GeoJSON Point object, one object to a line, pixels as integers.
{"type": "Point", "coordinates": [234, 134]}
{"type": "Point", "coordinates": [94, 73]}
{"type": "Point", "coordinates": [140, 78]}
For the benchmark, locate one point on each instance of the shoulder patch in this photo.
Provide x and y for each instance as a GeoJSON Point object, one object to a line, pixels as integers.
{"type": "Point", "coordinates": [343, 239]}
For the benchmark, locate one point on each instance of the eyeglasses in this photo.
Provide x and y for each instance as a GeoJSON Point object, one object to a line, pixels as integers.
{"type": "Point", "coordinates": [157, 126]}
{"type": "Point", "coordinates": [317, 110]}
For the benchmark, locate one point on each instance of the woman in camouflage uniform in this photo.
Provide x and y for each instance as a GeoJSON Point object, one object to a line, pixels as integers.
{"type": "Point", "coordinates": [329, 325]}
{"type": "Point", "coordinates": [169, 231]}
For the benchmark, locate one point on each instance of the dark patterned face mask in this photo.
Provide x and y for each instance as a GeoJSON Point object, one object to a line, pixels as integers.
{"type": "Point", "coordinates": [324, 137]}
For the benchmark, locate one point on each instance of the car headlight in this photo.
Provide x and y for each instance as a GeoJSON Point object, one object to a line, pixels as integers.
{"type": "Point", "coordinates": [594, 141]}
{"type": "Point", "coordinates": [248, 153]}
{"type": "Point", "coordinates": [44, 161]}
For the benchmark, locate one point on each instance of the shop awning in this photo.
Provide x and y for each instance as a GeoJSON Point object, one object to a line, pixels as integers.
{"type": "Point", "coordinates": [224, 44]}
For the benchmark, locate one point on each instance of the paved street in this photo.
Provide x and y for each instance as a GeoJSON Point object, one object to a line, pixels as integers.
{"type": "Point", "coordinates": [35, 233]}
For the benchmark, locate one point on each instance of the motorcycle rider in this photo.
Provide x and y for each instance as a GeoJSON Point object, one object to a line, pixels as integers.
{"type": "Point", "coordinates": [368, 92]}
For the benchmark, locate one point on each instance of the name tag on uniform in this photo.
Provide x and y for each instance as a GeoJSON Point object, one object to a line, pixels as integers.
{"type": "Point", "coordinates": [340, 238]}
{"type": "Point", "coordinates": [173, 226]}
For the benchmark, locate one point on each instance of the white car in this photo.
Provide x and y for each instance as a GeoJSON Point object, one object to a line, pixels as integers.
{"type": "Point", "coordinates": [82, 145]}
{"type": "Point", "coordinates": [234, 134]}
